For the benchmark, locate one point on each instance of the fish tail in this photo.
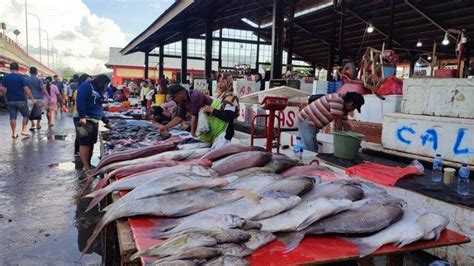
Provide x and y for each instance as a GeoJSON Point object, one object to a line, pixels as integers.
{"type": "Point", "coordinates": [102, 223]}
{"type": "Point", "coordinates": [365, 247]}
{"type": "Point", "coordinates": [138, 254]}
{"type": "Point", "coordinates": [86, 185]}
{"type": "Point", "coordinates": [292, 240]}
{"type": "Point", "coordinates": [98, 196]}
{"type": "Point", "coordinates": [104, 180]}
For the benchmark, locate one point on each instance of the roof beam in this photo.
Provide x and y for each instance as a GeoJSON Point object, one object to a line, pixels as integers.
{"type": "Point", "coordinates": [433, 21]}
{"type": "Point", "coordinates": [353, 13]}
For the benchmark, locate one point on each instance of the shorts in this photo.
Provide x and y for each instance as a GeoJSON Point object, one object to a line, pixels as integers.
{"type": "Point", "coordinates": [36, 110]}
{"type": "Point", "coordinates": [87, 134]}
{"type": "Point", "coordinates": [15, 107]}
{"type": "Point", "coordinates": [52, 107]}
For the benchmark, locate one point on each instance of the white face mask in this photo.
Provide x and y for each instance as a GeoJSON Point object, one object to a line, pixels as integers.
{"type": "Point", "coordinates": [229, 108]}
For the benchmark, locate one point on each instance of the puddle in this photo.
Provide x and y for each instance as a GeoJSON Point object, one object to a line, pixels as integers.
{"type": "Point", "coordinates": [66, 166]}
{"type": "Point", "coordinates": [60, 137]}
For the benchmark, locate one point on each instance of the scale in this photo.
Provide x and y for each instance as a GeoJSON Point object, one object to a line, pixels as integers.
{"type": "Point", "coordinates": [272, 104]}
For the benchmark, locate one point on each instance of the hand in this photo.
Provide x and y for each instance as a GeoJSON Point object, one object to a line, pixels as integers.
{"type": "Point", "coordinates": [207, 109]}
{"type": "Point", "coordinates": [34, 102]}
{"type": "Point", "coordinates": [83, 121]}
{"type": "Point", "coordinates": [162, 129]}
{"type": "Point", "coordinates": [108, 125]}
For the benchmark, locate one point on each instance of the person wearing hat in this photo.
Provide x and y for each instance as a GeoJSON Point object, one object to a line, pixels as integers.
{"type": "Point", "coordinates": [191, 102]}
{"type": "Point", "coordinates": [324, 110]}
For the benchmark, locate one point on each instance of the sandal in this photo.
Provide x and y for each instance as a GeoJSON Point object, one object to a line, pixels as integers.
{"type": "Point", "coordinates": [15, 137]}
{"type": "Point", "coordinates": [32, 128]}
{"type": "Point", "coordinates": [25, 134]}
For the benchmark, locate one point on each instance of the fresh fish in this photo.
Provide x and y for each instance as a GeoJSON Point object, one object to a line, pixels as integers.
{"type": "Point", "coordinates": [280, 163]}
{"type": "Point", "coordinates": [241, 161]}
{"type": "Point", "coordinates": [259, 239]}
{"type": "Point", "coordinates": [250, 171]}
{"type": "Point", "coordinates": [295, 185]}
{"type": "Point", "coordinates": [225, 151]}
{"type": "Point", "coordinates": [228, 236]}
{"type": "Point", "coordinates": [304, 214]}
{"type": "Point", "coordinates": [178, 263]}
{"type": "Point", "coordinates": [338, 189]}
{"type": "Point", "coordinates": [193, 253]}
{"type": "Point", "coordinates": [413, 226]}
{"type": "Point", "coordinates": [253, 182]}
{"type": "Point", "coordinates": [170, 184]}
{"type": "Point", "coordinates": [370, 189]}
{"type": "Point", "coordinates": [194, 146]}
{"type": "Point", "coordinates": [176, 204]}
{"type": "Point", "coordinates": [307, 170]}
{"type": "Point", "coordinates": [365, 219]}
{"type": "Point", "coordinates": [228, 261]}
{"type": "Point", "coordinates": [177, 244]}
{"type": "Point", "coordinates": [231, 249]}
{"type": "Point", "coordinates": [141, 178]}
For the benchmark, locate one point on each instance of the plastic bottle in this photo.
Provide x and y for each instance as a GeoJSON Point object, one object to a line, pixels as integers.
{"type": "Point", "coordinates": [437, 173]}
{"type": "Point", "coordinates": [298, 149]}
{"type": "Point", "coordinates": [463, 180]}
{"type": "Point", "coordinates": [143, 112]}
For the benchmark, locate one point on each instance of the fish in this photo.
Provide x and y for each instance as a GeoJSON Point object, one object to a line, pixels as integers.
{"type": "Point", "coordinates": [177, 155]}
{"type": "Point", "coordinates": [259, 239]}
{"type": "Point", "coordinates": [177, 244]}
{"type": "Point", "coordinates": [338, 189]}
{"type": "Point", "coordinates": [324, 172]}
{"type": "Point", "coordinates": [368, 218]}
{"type": "Point", "coordinates": [280, 163]}
{"type": "Point", "coordinates": [176, 204]}
{"type": "Point", "coordinates": [294, 185]}
{"type": "Point", "coordinates": [193, 253]}
{"type": "Point", "coordinates": [241, 161]}
{"type": "Point", "coordinates": [413, 226]}
{"type": "Point", "coordinates": [304, 214]}
{"type": "Point", "coordinates": [178, 263]}
{"type": "Point", "coordinates": [232, 249]}
{"type": "Point", "coordinates": [170, 184]}
{"type": "Point", "coordinates": [249, 171]}
{"type": "Point", "coordinates": [141, 178]}
{"type": "Point", "coordinates": [253, 181]}
{"type": "Point", "coordinates": [227, 261]}
{"type": "Point", "coordinates": [193, 146]}
{"type": "Point", "coordinates": [227, 150]}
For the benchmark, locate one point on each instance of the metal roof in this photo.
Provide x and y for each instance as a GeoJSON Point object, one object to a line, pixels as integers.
{"type": "Point", "coordinates": [414, 20]}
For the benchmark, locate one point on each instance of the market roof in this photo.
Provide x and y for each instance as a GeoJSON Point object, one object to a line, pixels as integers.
{"type": "Point", "coordinates": [414, 20]}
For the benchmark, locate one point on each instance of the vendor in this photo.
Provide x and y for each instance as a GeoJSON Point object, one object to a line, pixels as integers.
{"type": "Point", "coordinates": [321, 112]}
{"type": "Point", "coordinates": [191, 102]}
{"type": "Point", "coordinates": [224, 85]}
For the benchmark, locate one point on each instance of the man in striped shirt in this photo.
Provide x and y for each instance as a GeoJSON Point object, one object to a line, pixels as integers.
{"type": "Point", "coordinates": [321, 112]}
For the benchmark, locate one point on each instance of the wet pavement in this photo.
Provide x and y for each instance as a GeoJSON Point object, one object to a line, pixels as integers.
{"type": "Point", "coordinates": [42, 219]}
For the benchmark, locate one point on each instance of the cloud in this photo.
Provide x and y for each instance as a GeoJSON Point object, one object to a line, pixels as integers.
{"type": "Point", "coordinates": [81, 38]}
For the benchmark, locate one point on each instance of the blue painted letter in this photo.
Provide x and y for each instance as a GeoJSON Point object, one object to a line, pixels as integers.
{"type": "Point", "coordinates": [457, 150]}
{"type": "Point", "coordinates": [401, 138]}
{"type": "Point", "coordinates": [430, 135]}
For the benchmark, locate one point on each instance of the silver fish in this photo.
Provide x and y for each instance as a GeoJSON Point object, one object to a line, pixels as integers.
{"type": "Point", "coordinates": [253, 182]}
{"type": "Point", "coordinates": [280, 163]}
{"type": "Point", "coordinates": [177, 263]}
{"type": "Point", "coordinates": [228, 261]}
{"type": "Point", "coordinates": [413, 226]}
{"type": "Point", "coordinates": [304, 214]}
{"type": "Point", "coordinates": [194, 146]}
{"type": "Point", "coordinates": [250, 172]}
{"type": "Point", "coordinates": [295, 185]}
{"type": "Point", "coordinates": [193, 253]}
{"type": "Point", "coordinates": [241, 161]}
{"type": "Point", "coordinates": [231, 249]}
{"type": "Point", "coordinates": [338, 189]}
{"type": "Point", "coordinates": [259, 239]}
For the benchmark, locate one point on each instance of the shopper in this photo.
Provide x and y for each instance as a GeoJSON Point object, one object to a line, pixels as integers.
{"type": "Point", "coordinates": [191, 102]}
{"type": "Point", "coordinates": [58, 83]}
{"type": "Point", "coordinates": [16, 87]}
{"type": "Point", "coordinates": [224, 85]}
{"type": "Point", "coordinates": [52, 100]}
{"type": "Point", "coordinates": [39, 92]}
{"type": "Point", "coordinates": [89, 113]}
{"type": "Point", "coordinates": [144, 89]}
{"type": "Point", "coordinates": [321, 112]}
{"type": "Point", "coordinates": [260, 81]}
{"type": "Point", "coordinates": [84, 77]}
{"type": "Point", "coordinates": [73, 84]}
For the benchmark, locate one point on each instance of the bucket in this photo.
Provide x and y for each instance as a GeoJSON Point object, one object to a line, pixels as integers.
{"type": "Point", "coordinates": [347, 144]}
{"type": "Point", "coordinates": [160, 98]}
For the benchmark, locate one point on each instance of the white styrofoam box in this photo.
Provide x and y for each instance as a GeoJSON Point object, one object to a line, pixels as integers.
{"type": "Point", "coordinates": [374, 108]}
{"type": "Point", "coordinates": [243, 87]}
{"type": "Point", "coordinates": [267, 85]}
{"type": "Point", "coordinates": [453, 138]}
{"type": "Point", "coordinates": [287, 116]}
{"type": "Point", "coordinates": [325, 143]}
{"type": "Point", "coordinates": [306, 87]}
{"type": "Point", "coordinates": [320, 87]}
{"type": "Point", "coordinates": [440, 97]}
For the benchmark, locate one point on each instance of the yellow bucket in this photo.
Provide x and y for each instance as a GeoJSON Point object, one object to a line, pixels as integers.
{"type": "Point", "coordinates": [160, 98]}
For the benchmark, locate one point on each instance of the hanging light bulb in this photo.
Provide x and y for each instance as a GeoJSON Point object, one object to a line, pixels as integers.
{"type": "Point", "coordinates": [445, 40]}
{"type": "Point", "coordinates": [419, 44]}
{"type": "Point", "coordinates": [429, 57]}
{"type": "Point", "coordinates": [370, 28]}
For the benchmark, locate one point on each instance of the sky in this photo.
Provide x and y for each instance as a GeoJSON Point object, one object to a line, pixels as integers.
{"type": "Point", "coordinates": [81, 30]}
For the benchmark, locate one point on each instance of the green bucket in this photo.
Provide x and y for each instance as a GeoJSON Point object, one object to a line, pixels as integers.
{"type": "Point", "coordinates": [347, 144]}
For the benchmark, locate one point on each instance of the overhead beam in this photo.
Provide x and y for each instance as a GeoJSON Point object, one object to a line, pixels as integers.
{"type": "Point", "coordinates": [429, 18]}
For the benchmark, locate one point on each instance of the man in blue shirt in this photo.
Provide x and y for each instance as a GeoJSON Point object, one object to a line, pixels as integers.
{"type": "Point", "coordinates": [38, 90]}
{"type": "Point", "coordinates": [16, 90]}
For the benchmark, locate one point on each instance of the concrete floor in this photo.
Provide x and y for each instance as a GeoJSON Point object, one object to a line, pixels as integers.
{"type": "Point", "coordinates": [42, 220]}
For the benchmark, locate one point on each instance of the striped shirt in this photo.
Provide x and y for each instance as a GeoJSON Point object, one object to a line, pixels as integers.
{"type": "Point", "coordinates": [321, 112]}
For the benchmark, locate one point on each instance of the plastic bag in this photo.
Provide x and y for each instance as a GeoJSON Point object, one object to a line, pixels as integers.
{"type": "Point", "coordinates": [390, 85]}
{"type": "Point", "coordinates": [382, 174]}
{"type": "Point", "coordinates": [220, 142]}
{"type": "Point", "coordinates": [202, 125]}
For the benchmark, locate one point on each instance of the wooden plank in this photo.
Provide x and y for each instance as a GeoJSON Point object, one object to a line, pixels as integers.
{"type": "Point", "coordinates": [125, 239]}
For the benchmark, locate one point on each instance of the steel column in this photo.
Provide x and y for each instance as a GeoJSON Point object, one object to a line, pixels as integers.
{"type": "Point", "coordinates": [340, 49]}
{"type": "Point", "coordinates": [390, 26]}
{"type": "Point", "coordinates": [161, 62]}
{"type": "Point", "coordinates": [257, 65]}
{"type": "Point", "coordinates": [332, 43]}
{"type": "Point", "coordinates": [220, 50]}
{"type": "Point", "coordinates": [208, 54]}
{"type": "Point", "coordinates": [184, 56]}
{"type": "Point", "coordinates": [289, 34]}
{"type": "Point", "coordinates": [146, 64]}
{"type": "Point", "coordinates": [277, 38]}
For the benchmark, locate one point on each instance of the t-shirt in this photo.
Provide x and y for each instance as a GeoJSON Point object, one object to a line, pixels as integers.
{"type": "Point", "coordinates": [53, 94]}
{"type": "Point", "coordinates": [14, 83]}
{"type": "Point", "coordinates": [196, 101]}
{"type": "Point", "coordinates": [321, 112]}
{"type": "Point", "coordinates": [60, 86]}
{"type": "Point", "coordinates": [35, 85]}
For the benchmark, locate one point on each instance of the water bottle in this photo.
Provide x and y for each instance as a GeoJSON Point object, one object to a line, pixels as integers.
{"type": "Point", "coordinates": [143, 112]}
{"type": "Point", "coordinates": [437, 173]}
{"type": "Point", "coordinates": [298, 149]}
{"type": "Point", "coordinates": [463, 180]}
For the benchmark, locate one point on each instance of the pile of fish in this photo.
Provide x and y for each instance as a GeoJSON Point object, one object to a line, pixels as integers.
{"type": "Point", "coordinates": [219, 206]}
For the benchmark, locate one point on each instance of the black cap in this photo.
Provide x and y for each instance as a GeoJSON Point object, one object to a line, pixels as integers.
{"type": "Point", "coordinates": [356, 98]}
{"type": "Point", "coordinates": [174, 89]}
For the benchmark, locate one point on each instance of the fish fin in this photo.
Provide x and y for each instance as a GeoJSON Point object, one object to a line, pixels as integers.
{"type": "Point", "coordinates": [176, 188]}
{"type": "Point", "coordinates": [364, 248]}
{"type": "Point", "coordinates": [86, 185]}
{"type": "Point", "coordinates": [104, 180]}
{"type": "Point", "coordinates": [359, 203]}
{"type": "Point", "coordinates": [291, 240]}
{"type": "Point", "coordinates": [100, 225]}
{"type": "Point", "coordinates": [137, 254]}
{"type": "Point", "coordinates": [108, 207]}
{"type": "Point", "coordinates": [99, 195]}
{"type": "Point", "coordinates": [250, 195]}
{"type": "Point", "coordinates": [307, 222]}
